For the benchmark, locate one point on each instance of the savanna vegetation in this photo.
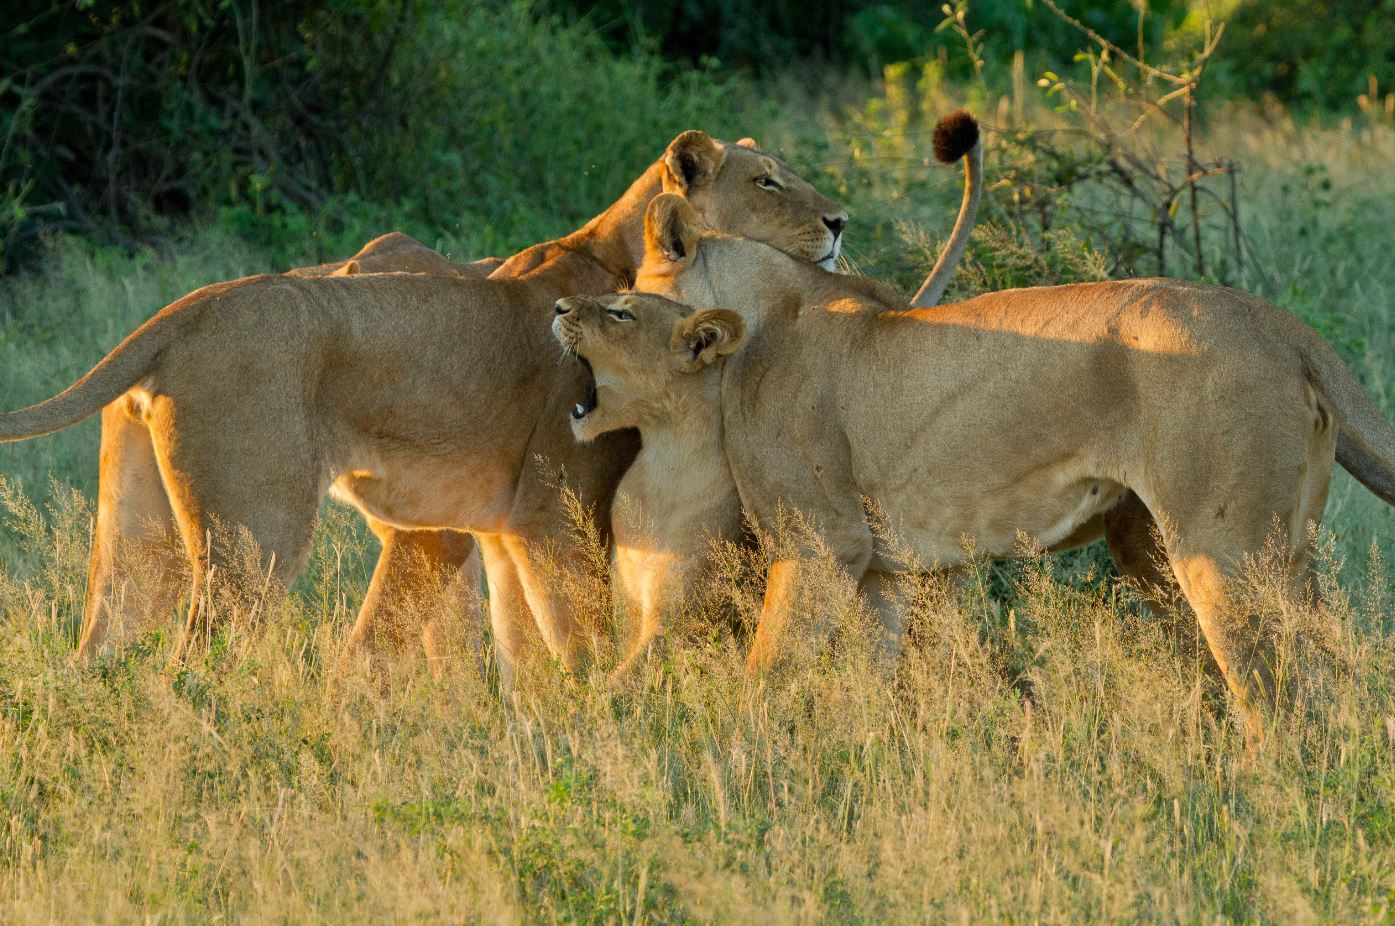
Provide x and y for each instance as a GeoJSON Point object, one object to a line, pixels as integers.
{"type": "Point", "coordinates": [1048, 751]}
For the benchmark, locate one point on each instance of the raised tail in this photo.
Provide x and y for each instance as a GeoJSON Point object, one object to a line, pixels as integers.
{"type": "Point", "coordinates": [118, 371]}
{"type": "Point", "coordinates": [1365, 440]}
{"type": "Point", "coordinates": [956, 136]}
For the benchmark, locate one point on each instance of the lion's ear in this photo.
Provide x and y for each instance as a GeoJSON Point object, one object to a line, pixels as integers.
{"type": "Point", "coordinates": [671, 230]}
{"type": "Point", "coordinates": [704, 336]}
{"type": "Point", "coordinates": [693, 159]}
{"type": "Point", "coordinates": [747, 142]}
{"type": "Point", "coordinates": [350, 268]}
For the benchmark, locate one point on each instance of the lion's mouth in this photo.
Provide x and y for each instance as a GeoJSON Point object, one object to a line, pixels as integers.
{"type": "Point", "coordinates": [830, 260]}
{"type": "Point", "coordinates": [585, 408]}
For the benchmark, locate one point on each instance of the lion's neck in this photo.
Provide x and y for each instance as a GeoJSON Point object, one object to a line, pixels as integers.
{"type": "Point", "coordinates": [774, 288]}
{"type": "Point", "coordinates": [603, 253]}
{"type": "Point", "coordinates": [680, 484]}
{"type": "Point", "coordinates": [616, 236]}
{"type": "Point", "coordinates": [689, 421]}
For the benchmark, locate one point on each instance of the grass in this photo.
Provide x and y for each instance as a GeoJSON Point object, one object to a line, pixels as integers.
{"type": "Point", "coordinates": [1045, 754]}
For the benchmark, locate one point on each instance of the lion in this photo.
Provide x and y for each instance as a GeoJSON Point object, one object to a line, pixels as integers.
{"type": "Point", "coordinates": [423, 400]}
{"type": "Point", "coordinates": [1031, 411]}
{"type": "Point", "coordinates": [653, 365]}
{"type": "Point", "coordinates": [399, 252]}
{"type": "Point", "coordinates": [407, 557]}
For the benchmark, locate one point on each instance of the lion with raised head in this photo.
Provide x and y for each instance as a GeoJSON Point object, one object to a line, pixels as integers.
{"type": "Point", "coordinates": [424, 400]}
{"type": "Point", "coordinates": [1031, 411]}
{"type": "Point", "coordinates": [411, 559]}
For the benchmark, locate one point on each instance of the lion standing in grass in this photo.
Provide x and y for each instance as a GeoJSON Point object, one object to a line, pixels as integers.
{"type": "Point", "coordinates": [1033, 411]}
{"type": "Point", "coordinates": [424, 400]}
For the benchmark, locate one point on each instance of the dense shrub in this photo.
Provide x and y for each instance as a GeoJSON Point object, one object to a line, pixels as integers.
{"type": "Point", "coordinates": [450, 113]}
{"type": "Point", "coordinates": [1313, 51]}
{"type": "Point", "coordinates": [492, 124]}
{"type": "Point", "coordinates": [767, 34]}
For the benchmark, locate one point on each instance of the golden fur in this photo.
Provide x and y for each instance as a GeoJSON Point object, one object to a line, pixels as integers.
{"type": "Point", "coordinates": [424, 400]}
{"type": "Point", "coordinates": [398, 252]}
{"type": "Point", "coordinates": [413, 559]}
{"type": "Point", "coordinates": [653, 371]}
{"type": "Point", "coordinates": [1034, 411]}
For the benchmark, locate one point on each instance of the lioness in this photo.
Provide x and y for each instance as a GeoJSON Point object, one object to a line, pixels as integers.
{"type": "Point", "coordinates": [1029, 411]}
{"type": "Point", "coordinates": [398, 252]}
{"type": "Point", "coordinates": [424, 400]}
{"type": "Point", "coordinates": [388, 611]}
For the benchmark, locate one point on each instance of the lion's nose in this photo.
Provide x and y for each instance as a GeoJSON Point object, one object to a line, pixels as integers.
{"type": "Point", "coordinates": [562, 308]}
{"type": "Point", "coordinates": [836, 224]}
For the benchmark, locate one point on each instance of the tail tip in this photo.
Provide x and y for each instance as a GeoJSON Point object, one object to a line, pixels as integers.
{"type": "Point", "coordinates": [955, 136]}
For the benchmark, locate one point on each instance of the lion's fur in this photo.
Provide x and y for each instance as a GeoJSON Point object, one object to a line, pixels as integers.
{"type": "Point", "coordinates": [654, 374]}
{"type": "Point", "coordinates": [1031, 411]}
{"type": "Point", "coordinates": [386, 612]}
{"type": "Point", "coordinates": [425, 400]}
{"type": "Point", "coordinates": [398, 252]}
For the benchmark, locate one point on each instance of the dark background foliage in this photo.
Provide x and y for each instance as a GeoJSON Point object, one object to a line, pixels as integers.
{"type": "Point", "coordinates": [117, 115]}
{"type": "Point", "coordinates": [766, 35]}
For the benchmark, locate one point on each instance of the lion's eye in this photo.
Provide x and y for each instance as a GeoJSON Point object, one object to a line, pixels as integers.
{"type": "Point", "coordinates": [769, 183]}
{"type": "Point", "coordinates": [620, 315]}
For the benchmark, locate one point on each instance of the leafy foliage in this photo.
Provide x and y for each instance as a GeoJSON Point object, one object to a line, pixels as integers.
{"type": "Point", "coordinates": [767, 35]}
{"type": "Point", "coordinates": [115, 113]}
{"type": "Point", "coordinates": [1322, 52]}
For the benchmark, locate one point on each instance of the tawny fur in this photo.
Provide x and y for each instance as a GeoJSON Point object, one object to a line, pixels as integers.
{"type": "Point", "coordinates": [679, 495]}
{"type": "Point", "coordinates": [413, 558]}
{"type": "Point", "coordinates": [397, 252]}
{"type": "Point", "coordinates": [1031, 411]}
{"type": "Point", "coordinates": [425, 400]}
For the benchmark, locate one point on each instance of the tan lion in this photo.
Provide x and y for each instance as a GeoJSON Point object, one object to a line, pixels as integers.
{"type": "Point", "coordinates": [397, 252]}
{"type": "Point", "coordinates": [422, 399]}
{"type": "Point", "coordinates": [1029, 411]}
{"type": "Point", "coordinates": [413, 559]}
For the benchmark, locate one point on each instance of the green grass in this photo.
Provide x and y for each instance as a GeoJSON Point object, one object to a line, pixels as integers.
{"type": "Point", "coordinates": [1044, 755]}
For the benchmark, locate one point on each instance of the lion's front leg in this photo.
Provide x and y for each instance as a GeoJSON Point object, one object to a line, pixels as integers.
{"type": "Point", "coordinates": [406, 600]}
{"type": "Point", "coordinates": [510, 620]}
{"type": "Point", "coordinates": [650, 581]}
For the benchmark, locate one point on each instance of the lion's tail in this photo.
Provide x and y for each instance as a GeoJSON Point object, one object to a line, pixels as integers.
{"type": "Point", "coordinates": [1365, 440]}
{"type": "Point", "coordinates": [118, 371]}
{"type": "Point", "coordinates": [956, 137]}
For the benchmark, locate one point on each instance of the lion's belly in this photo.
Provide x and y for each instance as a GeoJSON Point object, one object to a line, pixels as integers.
{"type": "Point", "coordinates": [941, 524]}
{"type": "Point", "coordinates": [416, 492]}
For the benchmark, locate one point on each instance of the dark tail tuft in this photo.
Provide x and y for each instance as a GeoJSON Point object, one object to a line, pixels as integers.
{"type": "Point", "coordinates": [955, 135]}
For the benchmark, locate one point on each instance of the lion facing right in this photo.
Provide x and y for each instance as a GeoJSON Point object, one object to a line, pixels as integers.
{"type": "Point", "coordinates": [1030, 411]}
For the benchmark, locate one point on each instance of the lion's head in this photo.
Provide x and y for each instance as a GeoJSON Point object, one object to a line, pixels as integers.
{"type": "Point", "coordinates": [690, 264]}
{"type": "Point", "coordinates": [638, 347]}
{"type": "Point", "coordinates": [738, 247]}
{"type": "Point", "coordinates": [740, 190]}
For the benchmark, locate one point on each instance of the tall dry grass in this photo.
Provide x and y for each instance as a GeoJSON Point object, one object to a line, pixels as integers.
{"type": "Point", "coordinates": [1045, 753]}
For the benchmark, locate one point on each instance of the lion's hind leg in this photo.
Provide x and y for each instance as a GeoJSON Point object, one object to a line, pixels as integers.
{"type": "Point", "coordinates": [1137, 547]}
{"type": "Point", "coordinates": [138, 571]}
{"type": "Point", "coordinates": [1214, 531]}
{"type": "Point", "coordinates": [245, 497]}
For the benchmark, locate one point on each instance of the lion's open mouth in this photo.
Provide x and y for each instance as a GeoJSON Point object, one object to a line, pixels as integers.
{"type": "Point", "coordinates": [585, 408]}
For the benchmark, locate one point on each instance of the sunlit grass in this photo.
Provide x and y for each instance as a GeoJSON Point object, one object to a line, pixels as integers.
{"type": "Point", "coordinates": [1045, 753]}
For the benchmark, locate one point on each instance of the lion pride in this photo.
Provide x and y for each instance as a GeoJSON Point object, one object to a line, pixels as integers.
{"type": "Point", "coordinates": [421, 399]}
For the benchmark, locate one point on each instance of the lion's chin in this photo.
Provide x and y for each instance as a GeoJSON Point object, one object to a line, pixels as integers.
{"type": "Point", "coordinates": [829, 261]}
{"type": "Point", "coordinates": [585, 430]}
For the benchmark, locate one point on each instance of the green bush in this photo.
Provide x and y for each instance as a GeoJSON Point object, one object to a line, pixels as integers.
{"type": "Point", "coordinates": [454, 115]}
{"type": "Point", "coordinates": [1319, 52]}
{"type": "Point", "coordinates": [768, 35]}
